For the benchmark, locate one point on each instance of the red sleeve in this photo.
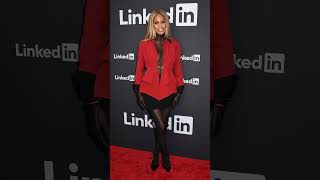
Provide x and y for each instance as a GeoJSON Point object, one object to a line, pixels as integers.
{"type": "Point", "coordinates": [94, 45]}
{"type": "Point", "coordinates": [221, 52]}
{"type": "Point", "coordinates": [140, 65]}
{"type": "Point", "coordinates": [221, 41]}
{"type": "Point", "coordinates": [178, 73]}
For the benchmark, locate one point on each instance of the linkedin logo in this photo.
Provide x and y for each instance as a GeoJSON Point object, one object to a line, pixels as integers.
{"type": "Point", "coordinates": [274, 63]}
{"type": "Point", "coordinates": [192, 81]}
{"type": "Point", "coordinates": [179, 124]}
{"type": "Point", "coordinates": [183, 124]}
{"type": "Point", "coordinates": [194, 57]}
{"type": "Point", "coordinates": [129, 56]}
{"type": "Point", "coordinates": [186, 14]}
{"type": "Point", "coordinates": [66, 51]}
{"type": "Point", "coordinates": [124, 78]}
{"type": "Point", "coordinates": [269, 63]}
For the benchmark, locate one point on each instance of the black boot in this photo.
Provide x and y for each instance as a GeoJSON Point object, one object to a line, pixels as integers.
{"type": "Point", "coordinates": [162, 146]}
{"type": "Point", "coordinates": [156, 151]}
{"type": "Point", "coordinates": [155, 160]}
{"type": "Point", "coordinates": [164, 150]}
{"type": "Point", "coordinates": [163, 143]}
{"type": "Point", "coordinates": [161, 125]}
{"type": "Point", "coordinates": [166, 162]}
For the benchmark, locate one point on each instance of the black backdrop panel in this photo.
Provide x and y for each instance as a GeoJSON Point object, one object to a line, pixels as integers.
{"type": "Point", "coordinates": [271, 125]}
{"type": "Point", "coordinates": [43, 127]}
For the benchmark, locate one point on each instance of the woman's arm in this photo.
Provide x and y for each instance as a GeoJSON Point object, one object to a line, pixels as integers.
{"type": "Point", "coordinates": [94, 43]}
{"type": "Point", "coordinates": [140, 66]}
{"type": "Point", "coordinates": [178, 73]}
{"type": "Point", "coordinates": [222, 64]}
{"type": "Point", "coordinates": [94, 52]}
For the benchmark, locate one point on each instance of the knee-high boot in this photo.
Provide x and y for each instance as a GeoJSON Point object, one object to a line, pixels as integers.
{"type": "Point", "coordinates": [156, 151]}
{"type": "Point", "coordinates": [164, 150]}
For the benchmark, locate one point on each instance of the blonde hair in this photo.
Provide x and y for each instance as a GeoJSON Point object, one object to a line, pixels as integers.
{"type": "Point", "coordinates": [151, 33]}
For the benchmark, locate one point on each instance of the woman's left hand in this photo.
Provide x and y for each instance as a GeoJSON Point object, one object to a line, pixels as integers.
{"type": "Point", "coordinates": [176, 100]}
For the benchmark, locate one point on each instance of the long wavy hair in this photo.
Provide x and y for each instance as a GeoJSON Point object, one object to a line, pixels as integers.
{"type": "Point", "coordinates": [151, 33]}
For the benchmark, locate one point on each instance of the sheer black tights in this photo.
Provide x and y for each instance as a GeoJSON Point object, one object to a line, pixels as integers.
{"type": "Point", "coordinates": [160, 119]}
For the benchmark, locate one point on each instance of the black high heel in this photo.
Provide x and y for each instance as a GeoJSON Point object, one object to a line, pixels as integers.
{"type": "Point", "coordinates": [155, 160]}
{"type": "Point", "coordinates": [155, 157]}
{"type": "Point", "coordinates": [166, 162]}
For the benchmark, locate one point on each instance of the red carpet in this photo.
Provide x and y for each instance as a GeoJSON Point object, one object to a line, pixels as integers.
{"type": "Point", "coordinates": [131, 164]}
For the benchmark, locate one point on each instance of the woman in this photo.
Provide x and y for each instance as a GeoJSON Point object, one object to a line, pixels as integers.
{"type": "Point", "coordinates": [159, 80]}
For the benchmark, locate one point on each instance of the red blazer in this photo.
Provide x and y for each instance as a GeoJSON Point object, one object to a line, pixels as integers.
{"type": "Point", "coordinates": [94, 45]}
{"type": "Point", "coordinates": [221, 52]}
{"type": "Point", "coordinates": [147, 75]}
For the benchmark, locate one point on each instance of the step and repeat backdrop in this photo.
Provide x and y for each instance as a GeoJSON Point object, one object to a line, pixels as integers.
{"type": "Point", "coordinates": [43, 127]}
{"type": "Point", "coordinates": [270, 130]}
{"type": "Point", "coordinates": [188, 133]}
{"type": "Point", "coordinates": [270, 127]}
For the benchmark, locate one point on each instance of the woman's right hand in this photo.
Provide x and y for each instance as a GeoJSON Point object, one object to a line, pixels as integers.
{"type": "Point", "coordinates": [140, 101]}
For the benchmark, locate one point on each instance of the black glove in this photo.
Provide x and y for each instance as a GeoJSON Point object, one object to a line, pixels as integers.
{"type": "Point", "coordinates": [180, 89]}
{"type": "Point", "coordinates": [223, 90]}
{"type": "Point", "coordinates": [178, 95]}
{"type": "Point", "coordinates": [97, 118]}
{"type": "Point", "coordinates": [83, 83]}
{"type": "Point", "coordinates": [140, 101]}
{"type": "Point", "coordinates": [176, 100]}
{"type": "Point", "coordinates": [217, 112]}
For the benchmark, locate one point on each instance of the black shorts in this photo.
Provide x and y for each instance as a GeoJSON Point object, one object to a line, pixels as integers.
{"type": "Point", "coordinates": [152, 103]}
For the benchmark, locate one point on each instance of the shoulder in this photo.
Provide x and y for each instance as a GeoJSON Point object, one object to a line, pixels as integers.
{"type": "Point", "coordinates": [144, 43]}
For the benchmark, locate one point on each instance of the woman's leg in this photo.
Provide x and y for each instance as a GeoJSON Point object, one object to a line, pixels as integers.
{"type": "Point", "coordinates": [156, 150]}
{"type": "Point", "coordinates": [161, 124]}
{"type": "Point", "coordinates": [165, 157]}
{"type": "Point", "coordinates": [165, 114]}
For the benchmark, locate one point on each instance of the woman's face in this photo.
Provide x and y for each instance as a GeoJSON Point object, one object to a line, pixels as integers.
{"type": "Point", "coordinates": [159, 24]}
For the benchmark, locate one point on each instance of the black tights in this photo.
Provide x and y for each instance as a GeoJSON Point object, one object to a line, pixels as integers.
{"type": "Point", "coordinates": [160, 119]}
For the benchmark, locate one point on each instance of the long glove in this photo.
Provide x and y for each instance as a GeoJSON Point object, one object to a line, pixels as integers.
{"type": "Point", "coordinates": [97, 117]}
{"type": "Point", "coordinates": [83, 83]}
{"type": "Point", "coordinates": [140, 101]}
{"type": "Point", "coordinates": [223, 91]}
{"type": "Point", "coordinates": [177, 97]}
{"type": "Point", "coordinates": [176, 100]}
{"type": "Point", "coordinates": [217, 112]}
{"type": "Point", "coordinates": [95, 109]}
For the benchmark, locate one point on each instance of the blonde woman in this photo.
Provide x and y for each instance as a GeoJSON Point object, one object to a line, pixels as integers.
{"type": "Point", "coordinates": [159, 80]}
